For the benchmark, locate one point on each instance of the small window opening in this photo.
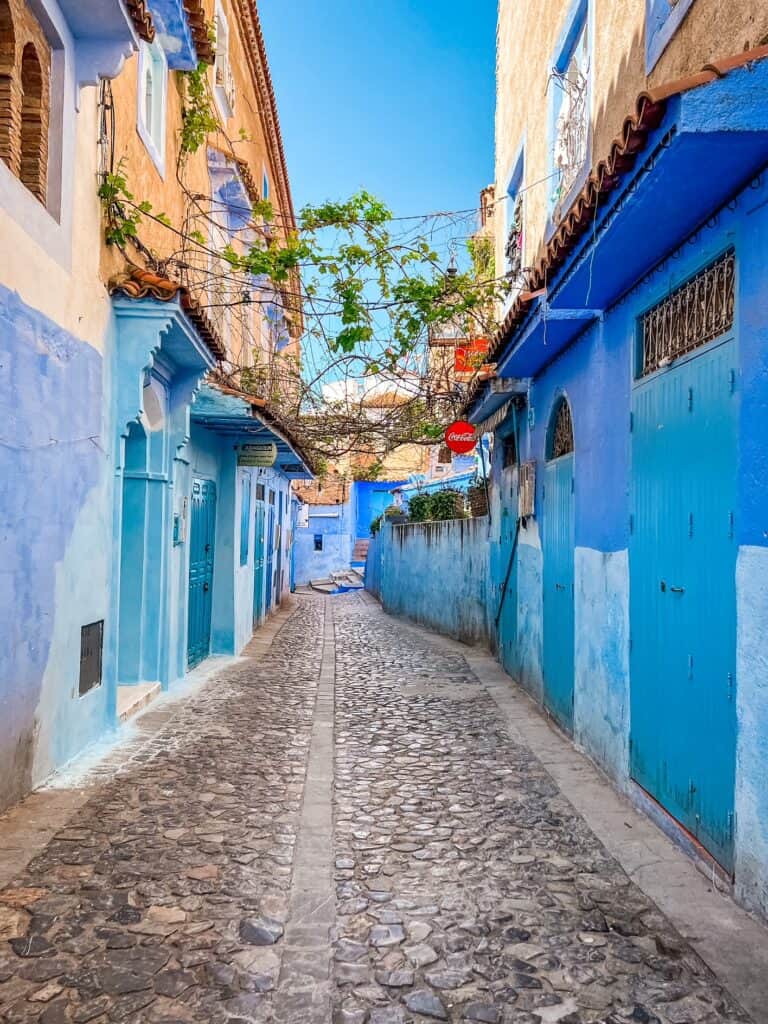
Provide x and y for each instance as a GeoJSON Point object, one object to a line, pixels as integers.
{"type": "Point", "coordinates": [91, 648]}
{"type": "Point", "coordinates": [510, 452]}
{"type": "Point", "coordinates": [318, 542]}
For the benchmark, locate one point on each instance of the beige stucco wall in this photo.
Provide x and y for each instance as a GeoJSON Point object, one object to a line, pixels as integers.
{"type": "Point", "coordinates": [528, 33]}
{"type": "Point", "coordinates": [72, 296]}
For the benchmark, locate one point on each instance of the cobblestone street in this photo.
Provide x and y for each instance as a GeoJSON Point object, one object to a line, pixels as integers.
{"type": "Point", "coordinates": [205, 880]}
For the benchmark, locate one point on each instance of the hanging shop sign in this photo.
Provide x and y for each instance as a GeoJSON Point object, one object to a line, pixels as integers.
{"type": "Point", "coordinates": [264, 454]}
{"type": "Point", "coordinates": [469, 358]}
{"type": "Point", "coordinates": [460, 437]}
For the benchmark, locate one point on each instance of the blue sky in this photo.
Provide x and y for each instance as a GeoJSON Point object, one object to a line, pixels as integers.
{"type": "Point", "coordinates": [390, 95]}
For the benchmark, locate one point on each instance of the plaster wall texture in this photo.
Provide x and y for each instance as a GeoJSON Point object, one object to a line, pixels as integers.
{"type": "Point", "coordinates": [437, 574]}
{"type": "Point", "coordinates": [601, 669]}
{"type": "Point", "coordinates": [752, 750]}
{"type": "Point", "coordinates": [55, 490]}
{"type": "Point", "coordinates": [529, 38]}
{"type": "Point", "coordinates": [335, 523]}
{"type": "Point", "coordinates": [161, 185]}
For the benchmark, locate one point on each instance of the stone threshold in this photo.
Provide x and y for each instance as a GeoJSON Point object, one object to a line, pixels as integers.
{"type": "Point", "coordinates": [132, 699]}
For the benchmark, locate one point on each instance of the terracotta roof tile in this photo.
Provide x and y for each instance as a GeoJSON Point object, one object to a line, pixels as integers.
{"type": "Point", "coordinates": [142, 19]}
{"type": "Point", "coordinates": [143, 284]}
{"type": "Point", "coordinates": [649, 110]}
{"type": "Point", "coordinates": [199, 26]}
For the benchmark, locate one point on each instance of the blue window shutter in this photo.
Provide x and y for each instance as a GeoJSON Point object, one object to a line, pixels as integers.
{"type": "Point", "coordinates": [245, 517]}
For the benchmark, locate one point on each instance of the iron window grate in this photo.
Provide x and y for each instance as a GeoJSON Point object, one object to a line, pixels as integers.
{"type": "Point", "coordinates": [697, 312]}
{"type": "Point", "coordinates": [91, 647]}
{"type": "Point", "coordinates": [562, 431]}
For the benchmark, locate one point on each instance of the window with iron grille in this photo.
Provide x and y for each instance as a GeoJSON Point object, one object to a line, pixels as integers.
{"type": "Point", "coordinates": [259, 492]}
{"type": "Point", "coordinates": [91, 647]}
{"type": "Point", "coordinates": [697, 312]}
{"type": "Point", "coordinates": [561, 431]}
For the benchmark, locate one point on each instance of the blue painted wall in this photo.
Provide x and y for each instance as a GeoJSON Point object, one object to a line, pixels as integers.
{"type": "Point", "coordinates": [55, 488]}
{"type": "Point", "coordinates": [372, 498]}
{"type": "Point", "coordinates": [336, 525]}
{"type": "Point", "coordinates": [435, 574]}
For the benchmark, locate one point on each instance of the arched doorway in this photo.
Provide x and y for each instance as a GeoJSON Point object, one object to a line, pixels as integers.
{"type": "Point", "coordinates": [558, 576]}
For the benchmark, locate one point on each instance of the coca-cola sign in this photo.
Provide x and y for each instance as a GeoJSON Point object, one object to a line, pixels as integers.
{"type": "Point", "coordinates": [460, 437]}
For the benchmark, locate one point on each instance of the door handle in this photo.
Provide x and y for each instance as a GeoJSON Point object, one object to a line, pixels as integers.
{"type": "Point", "coordinates": [559, 586]}
{"type": "Point", "coordinates": [206, 588]}
{"type": "Point", "coordinates": [677, 590]}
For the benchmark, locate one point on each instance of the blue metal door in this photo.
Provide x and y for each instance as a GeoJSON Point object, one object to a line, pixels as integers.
{"type": "Point", "coordinates": [557, 544]}
{"type": "Point", "coordinates": [270, 551]}
{"type": "Point", "coordinates": [201, 540]}
{"type": "Point", "coordinates": [682, 594]}
{"type": "Point", "coordinates": [259, 559]}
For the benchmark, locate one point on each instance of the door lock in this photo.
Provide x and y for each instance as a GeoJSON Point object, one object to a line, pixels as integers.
{"type": "Point", "coordinates": [206, 587]}
{"type": "Point", "coordinates": [677, 590]}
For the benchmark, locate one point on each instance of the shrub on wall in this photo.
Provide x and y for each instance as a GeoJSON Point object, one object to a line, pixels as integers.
{"type": "Point", "coordinates": [420, 508]}
{"type": "Point", "coordinates": [448, 504]}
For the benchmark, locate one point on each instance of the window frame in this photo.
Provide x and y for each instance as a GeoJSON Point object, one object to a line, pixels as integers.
{"type": "Point", "coordinates": [515, 188]}
{"type": "Point", "coordinates": [245, 517]}
{"type": "Point", "coordinates": [224, 96]}
{"type": "Point", "coordinates": [152, 58]}
{"type": "Point", "coordinates": [264, 183]}
{"type": "Point", "coordinates": [578, 20]}
{"type": "Point", "coordinates": [662, 20]}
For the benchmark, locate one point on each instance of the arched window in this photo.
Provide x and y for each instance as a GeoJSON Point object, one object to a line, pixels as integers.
{"type": "Point", "coordinates": [153, 78]}
{"type": "Point", "coordinates": [34, 124]}
{"type": "Point", "coordinates": [560, 440]}
{"type": "Point", "coordinates": [9, 105]}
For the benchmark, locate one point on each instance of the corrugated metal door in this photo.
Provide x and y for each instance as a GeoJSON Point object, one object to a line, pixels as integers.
{"type": "Point", "coordinates": [258, 565]}
{"type": "Point", "coordinates": [557, 543]}
{"type": "Point", "coordinates": [201, 541]}
{"type": "Point", "coordinates": [682, 593]}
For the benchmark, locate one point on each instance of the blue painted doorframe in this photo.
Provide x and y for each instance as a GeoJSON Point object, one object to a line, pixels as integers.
{"type": "Point", "coordinates": [270, 551]}
{"type": "Point", "coordinates": [259, 559]}
{"type": "Point", "coordinates": [557, 544]}
{"type": "Point", "coordinates": [201, 545]}
{"type": "Point", "coordinates": [682, 593]}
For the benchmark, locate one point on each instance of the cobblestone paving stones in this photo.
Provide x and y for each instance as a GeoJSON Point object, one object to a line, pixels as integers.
{"type": "Point", "coordinates": [468, 889]}
{"type": "Point", "coordinates": [164, 898]}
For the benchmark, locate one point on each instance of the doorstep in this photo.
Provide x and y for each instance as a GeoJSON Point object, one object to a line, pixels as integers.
{"type": "Point", "coordinates": [132, 699]}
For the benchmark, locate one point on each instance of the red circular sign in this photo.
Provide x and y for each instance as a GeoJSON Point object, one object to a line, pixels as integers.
{"type": "Point", "coordinates": [460, 437]}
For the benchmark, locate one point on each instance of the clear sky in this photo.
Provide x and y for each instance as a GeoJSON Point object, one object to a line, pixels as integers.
{"type": "Point", "coordinates": [395, 96]}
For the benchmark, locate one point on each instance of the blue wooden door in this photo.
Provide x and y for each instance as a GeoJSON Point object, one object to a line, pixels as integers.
{"type": "Point", "coordinates": [201, 542]}
{"type": "Point", "coordinates": [270, 554]}
{"type": "Point", "coordinates": [557, 544]}
{"type": "Point", "coordinates": [682, 593]}
{"type": "Point", "coordinates": [259, 562]}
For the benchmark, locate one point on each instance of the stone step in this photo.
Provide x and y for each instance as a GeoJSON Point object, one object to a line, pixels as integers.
{"type": "Point", "coordinates": [132, 699]}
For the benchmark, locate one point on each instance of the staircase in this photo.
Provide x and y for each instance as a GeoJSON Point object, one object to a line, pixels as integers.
{"type": "Point", "coordinates": [360, 551]}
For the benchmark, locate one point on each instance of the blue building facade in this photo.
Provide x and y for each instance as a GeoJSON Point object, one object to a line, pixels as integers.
{"type": "Point", "coordinates": [138, 535]}
{"type": "Point", "coordinates": [626, 560]}
{"type": "Point", "coordinates": [635, 594]}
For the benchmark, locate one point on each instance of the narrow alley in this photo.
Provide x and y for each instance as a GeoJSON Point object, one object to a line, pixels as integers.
{"type": "Point", "coordinates": [349, 825]}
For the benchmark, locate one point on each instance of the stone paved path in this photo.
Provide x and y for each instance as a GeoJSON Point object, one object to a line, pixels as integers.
{"type": "Point", "coordinates": [466, 888]}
